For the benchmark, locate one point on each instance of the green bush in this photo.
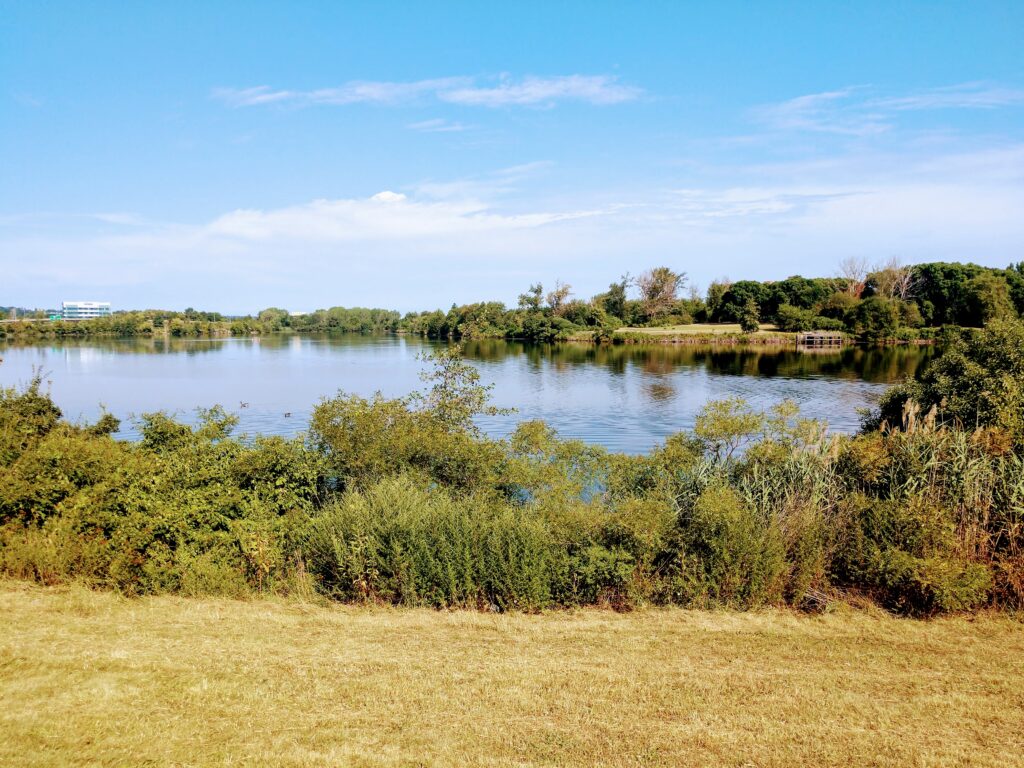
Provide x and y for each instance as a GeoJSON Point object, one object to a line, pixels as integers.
{"type": "Point", "coordinates": [730, 555]}
{"type": "Point", "coordinates": [396, 541]}
{"type": "Point", "coordinates": [792, 319]}
{"type": "Point", "coordinates": [875, 319]}
{"type": "Point", "coordinates": [978, 381]}
{"type": "Point", "coordinates": [749, 317]}
{"type": "Point", "coordinates": [905, 553]}
{"type": "Point", "coordinates": [925, 586]}
{"type": "Point", "coordinates": [25, 416]}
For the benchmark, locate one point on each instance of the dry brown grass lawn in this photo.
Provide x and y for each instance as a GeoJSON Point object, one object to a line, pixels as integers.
{"type": "Point", "coordinates": [91, 678]}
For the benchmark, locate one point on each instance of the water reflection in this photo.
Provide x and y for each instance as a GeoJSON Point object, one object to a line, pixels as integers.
{"type": "Point", "coordinates": [880, 365]}
{"type": "Point", "coordinates": [627, 397]}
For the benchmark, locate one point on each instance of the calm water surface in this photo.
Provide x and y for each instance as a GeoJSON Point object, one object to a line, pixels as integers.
{"type": "Point", "coordinates": [625, 397]}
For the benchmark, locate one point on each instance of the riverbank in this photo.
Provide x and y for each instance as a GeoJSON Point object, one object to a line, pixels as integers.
{"type": "Point", "coordinates": [93, 678]}
{"type": "Point", "coordinates": [696, 334]}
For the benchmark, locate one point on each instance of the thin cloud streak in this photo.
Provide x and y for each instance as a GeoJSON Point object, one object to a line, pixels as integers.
{"type": "Point", "coordinates": [439, 125]}
{"type": "Point", "coordinates": [851, 111]}
{"type": "Point", "coordinates": [386, 216]}
{"type": "Point", "coordinates": [599, 90]}
{"type": "Point", "coordinates": [963, 96]}
{"type": "Point", "coordinates": [827, 112]}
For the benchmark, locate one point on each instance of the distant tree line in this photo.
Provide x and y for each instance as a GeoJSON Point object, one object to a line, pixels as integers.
{"type": "Point", "coordinates": [887, 302]}
{"type": "Point", "coordinates": [194, 323]}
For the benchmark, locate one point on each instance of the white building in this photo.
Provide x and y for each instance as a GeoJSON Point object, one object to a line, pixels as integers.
{"type": "Point", "coordinates": [84, 310]}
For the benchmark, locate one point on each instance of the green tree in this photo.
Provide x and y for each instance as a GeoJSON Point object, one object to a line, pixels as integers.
{"type": "Point", "coordinates": [838, 306]}
{"type": "Point", "coordinates": [456, 395]}
{"type": "Point", "coordinates": [532, 299]}
{"type": "Point", "coordinates": [750, 317]}
{"type": "Point", "coordinates": [659, 288]}
{"type": "Point", "coordinates": [716, 291]}
{"type": "Point", "coordinates": [978, 381]}
{"type": "Point", "coordinates": [876, 319]}
{"type": "Point", "coordinates": [987, 298]}
{"type": "Point", "coordinates": [735, 300]}
{"type": "Point", "coordinates": [615, 300]}
{"type": "Point", "coordinates": [799, 292]}
{"type": "Point", "coordinates": [792, 319]}
{"type": "Point", "coordinates": [941, 289]}
{"type": "Point", "coordinates": [559, 296]}
{"type": "Point", "coordinates": [274, 317]}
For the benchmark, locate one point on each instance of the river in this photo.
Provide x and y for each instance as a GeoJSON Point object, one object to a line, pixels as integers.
{"type": "Point", "coordinates": [625, 397]}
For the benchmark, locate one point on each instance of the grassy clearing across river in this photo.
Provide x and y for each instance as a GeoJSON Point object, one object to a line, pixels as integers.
{"type": "Point", "coordinates": [712, 334]}
{"type": "Point", "coordinates": [93, 678]}
{"type": "Point", "coordinates": [699, 329]}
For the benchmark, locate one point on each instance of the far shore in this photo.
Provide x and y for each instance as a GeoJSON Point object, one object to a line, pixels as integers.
{"type": "Point", "coordinates": [695, 334]}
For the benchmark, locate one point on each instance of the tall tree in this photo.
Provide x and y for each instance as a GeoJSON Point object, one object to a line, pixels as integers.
{"type": "Point", "coordinates": [750, 317]}
{"type": "Point", "coordinates": [987, 298]}
{"type": "Point", "coordinates": [558, 297]}
{"type": "Point", "coordinates": [854, 269]}
{"type": "Point", "coordinates": [659, 289]}
{"type": "Point", "coordinates": [615, 300]}
{"type": "Point", "coordinates": [893, 280]}
{"type": "Point", "coordinates": [716, 291]}
{"type": "Point", "coordinates": [531, 300]}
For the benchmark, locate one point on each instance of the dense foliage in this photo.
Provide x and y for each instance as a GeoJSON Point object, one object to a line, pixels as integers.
{"type": "Point", "coordinates": [191, 323]}
{"type": "Point", "coordinates": [890, 303]}
{"type": "Point", "coordinates": [978, 382]}
{"type": "Point", "coordinates": [405, 501]}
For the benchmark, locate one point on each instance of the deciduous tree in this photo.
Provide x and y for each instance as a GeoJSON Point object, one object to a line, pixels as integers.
{"type": "Point", "coordinates": [659, 288]}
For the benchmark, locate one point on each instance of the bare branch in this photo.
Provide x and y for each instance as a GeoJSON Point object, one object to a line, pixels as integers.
{"type": "Point", "coordinates": [854, 269]}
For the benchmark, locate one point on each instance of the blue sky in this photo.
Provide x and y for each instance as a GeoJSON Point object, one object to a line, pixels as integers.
{"type": "Point", "coordinates": [233, 156]}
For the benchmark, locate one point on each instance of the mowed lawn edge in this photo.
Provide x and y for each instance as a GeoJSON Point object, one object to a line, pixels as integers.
{"type": "Point", "coordinates": [91, 678]}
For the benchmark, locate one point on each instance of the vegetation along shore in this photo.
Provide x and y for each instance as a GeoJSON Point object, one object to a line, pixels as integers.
{"type": "Point", "coordinates": [886, 304]}
{"type": "Point", "coordinates": [404, 501]}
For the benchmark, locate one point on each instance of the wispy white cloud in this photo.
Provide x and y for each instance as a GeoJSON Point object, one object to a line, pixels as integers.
{"type": "Point", "coordinates": [595, 89]}
{"type": "Point", "coordinates": [857, 111]}
{"type": "Point", "coordinates": [712, 204]}
{"type": "Point", "coordinates": [354, 92]}
{"type": "Point", "coordinates": [506, 91]}
{"type": "Point", "coordinates": [27, 99]}
{"type": "Point", "coordinates": [251, 97]}
{"type": "Point", "coordinates": [964, 96]}
{"type": "Point", "coordinates": [439, 125]}
{"type": "Point", "coordinates": [386, 216]}
{"type": "Point", "coordinates": [827, 112]}
{"type": "Point", "coordinates": [483, 186]}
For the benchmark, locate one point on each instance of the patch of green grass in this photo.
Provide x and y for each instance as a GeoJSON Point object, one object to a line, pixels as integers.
{"type": "Point", "coordinates": [697, 329]}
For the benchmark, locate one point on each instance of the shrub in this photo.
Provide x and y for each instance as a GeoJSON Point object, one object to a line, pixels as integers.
{"type": "Point", "coordinates": [978, 381]}
{"type": "Point", "coordinates": [730, 555]}
{"type": "Point", "coordinates": [362, 441]}
{"type": "Point", "coordinates": [904, 553]}
{"type": "Point", "coordinates": [25, 416]}
{"type": "Point", "coordinates": [875, 319]}
{"type": "Point", "coordinates": [398, 542]}
{"type": "Point", "coordinates": [791, 319]}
